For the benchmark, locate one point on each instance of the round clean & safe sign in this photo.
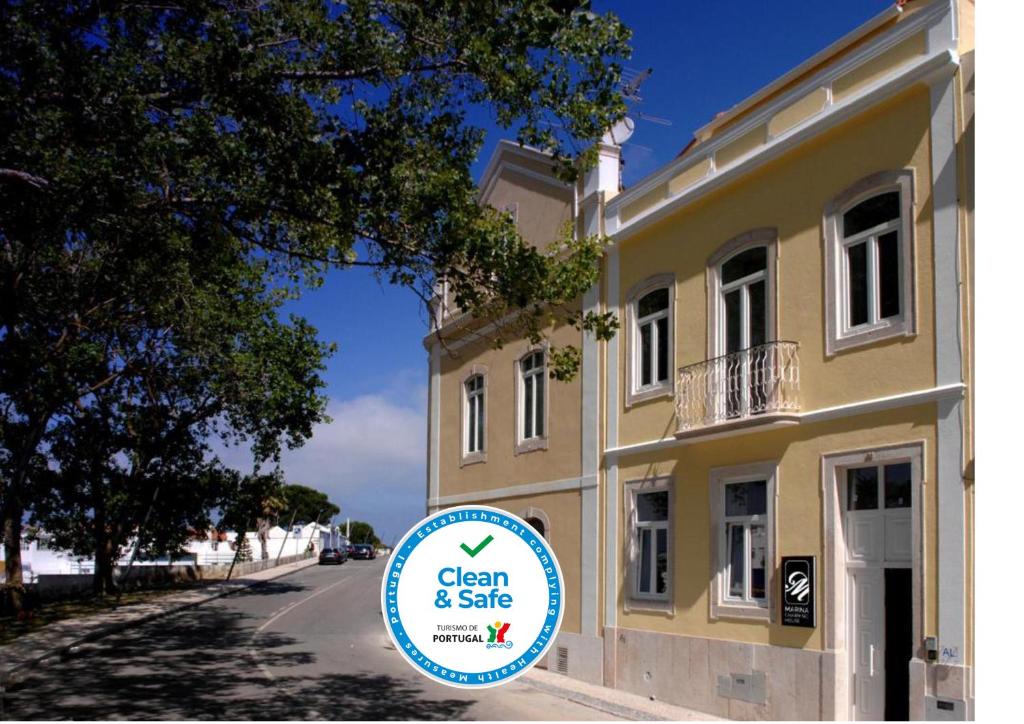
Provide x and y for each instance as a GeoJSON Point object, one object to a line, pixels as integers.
{"type": "Point", "coordinates": [472, 596]}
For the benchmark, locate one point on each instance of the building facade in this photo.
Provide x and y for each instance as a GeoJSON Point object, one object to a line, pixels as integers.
{"type": "Point", "coordinates": [762, 487]}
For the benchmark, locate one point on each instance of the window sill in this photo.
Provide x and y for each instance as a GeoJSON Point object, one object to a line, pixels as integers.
{"type": "Point", "coordinates": [650, 393]}
{"type": "Point", "coordinates": [472, 459]}
{"type": "Point", "coordinates": [862, 338]}
{"type": "Point", "coordinates": [746, 612]}
{"type": "Point", "coordinates": [649, 605]}
{"type": "Point", "coordinates": [532, 445]}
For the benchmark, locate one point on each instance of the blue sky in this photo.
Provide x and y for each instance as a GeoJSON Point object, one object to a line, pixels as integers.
{"type": "Point", "coordinates": [706, 56]}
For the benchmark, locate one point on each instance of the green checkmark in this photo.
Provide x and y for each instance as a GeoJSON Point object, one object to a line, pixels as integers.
{"type": "Point", "coordinates": [473, 551]}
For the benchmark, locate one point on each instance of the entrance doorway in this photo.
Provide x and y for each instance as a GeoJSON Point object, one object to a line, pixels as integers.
{"type": "Point", "coordinates": [879, 590]}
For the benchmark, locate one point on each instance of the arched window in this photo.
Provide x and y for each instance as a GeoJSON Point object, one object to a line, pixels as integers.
{"type": "Point", "coordinates": [744, 300]}
{"type": "Point", "coordinates": [474, 415]}
{"type": "Point", "coordinates": [532, 403]}
{"type": "Point", "coordinates": [650, 353]}
{"type": "Point", "coordinates": [742, 323]}
{"type": "Point", "coordinates": [869, 262]}
{"type": "Point", "coordinates": [538, 520]}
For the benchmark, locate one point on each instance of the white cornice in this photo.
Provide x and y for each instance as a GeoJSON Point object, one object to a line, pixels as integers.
{"type": "Point", "coordinates": [818, 58]}
{"type": "Point", "coordinates": [937, 60]}
{"type": "Point", "coordinates": [862, 407]}
{"type": "Point", "coordinates": [514, 491]}
{"type": "Point", "coordinates": [922, 71]}
{"type": "Point", "coordinates": [504, 167]}
{"type": "Point", "coordinates": [496, 164]}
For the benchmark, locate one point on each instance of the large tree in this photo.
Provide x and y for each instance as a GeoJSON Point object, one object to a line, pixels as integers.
{"type": "Point", "coordinates": [146, 147]}
{"type": "Point", "coordinates": [361, 532]}
{"type": "Point", "coordinates": [306, 504]}
{"type": "Point", "coordinates": [134, 464]}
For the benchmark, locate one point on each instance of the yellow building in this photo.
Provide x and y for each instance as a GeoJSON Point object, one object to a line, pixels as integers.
{"type": "Point", "coordinates": [788, 398]}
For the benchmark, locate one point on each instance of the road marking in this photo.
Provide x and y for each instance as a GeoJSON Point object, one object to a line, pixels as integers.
{"type": "Point", "coordinates": [265, 670]}
{"type": "Point", "coordinates": [291, 607]}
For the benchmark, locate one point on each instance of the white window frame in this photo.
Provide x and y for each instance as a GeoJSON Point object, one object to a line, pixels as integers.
{"type": "Point", "coordinates": [536, 442]}
{"type": "Point", "coordinates": [533, 511]}
{"type": "Point", "coordinates": [635, 391]}
{"type": "Point", "coordinates": [765, 236]}
{"type": "Point", "coordinates": [635, 598]}
{"type": "Point", "coordinates": [722, 604]}
{"type": "Point", "coordinates": [839, 334]}
{"type": "Point", "coordinates": [469, 457]}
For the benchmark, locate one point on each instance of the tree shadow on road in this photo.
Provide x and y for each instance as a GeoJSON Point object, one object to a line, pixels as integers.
{"type": "Point", "coordinates": [363, 696]}
{"type": "Point", "coordinates": [197, 665]}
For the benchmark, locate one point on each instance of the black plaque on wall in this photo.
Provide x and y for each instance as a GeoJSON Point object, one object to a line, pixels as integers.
{"type": "Point", "coordinates": [798, 591]}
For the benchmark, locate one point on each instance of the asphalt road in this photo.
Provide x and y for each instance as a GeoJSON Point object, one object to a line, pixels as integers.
{"type": "Point", "coordinates": [310, 645]}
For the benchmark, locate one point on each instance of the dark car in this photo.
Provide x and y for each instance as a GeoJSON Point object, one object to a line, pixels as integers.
{"type": "Point", "coordinates": [332, 555]}
{"type": "Point", "coordinates": [364, 551]}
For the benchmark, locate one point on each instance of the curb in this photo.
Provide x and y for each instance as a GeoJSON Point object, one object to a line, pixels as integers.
{"type": "Point", "coordinates": [619, 710]}
{"type": "Point", "coordinates": [56, 653]}
{"type": "Point", "coordinates": [617, 702]}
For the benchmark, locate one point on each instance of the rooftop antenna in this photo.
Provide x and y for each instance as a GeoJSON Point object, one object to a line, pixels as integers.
{"type": "Point", "coordinates": [622, 131]}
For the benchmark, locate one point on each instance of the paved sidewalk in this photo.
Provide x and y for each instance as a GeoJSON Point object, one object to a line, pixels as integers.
{"type": "Point", "coordinates": [58, 638]}
{"type": "Point", "coordinates": [613, 701]}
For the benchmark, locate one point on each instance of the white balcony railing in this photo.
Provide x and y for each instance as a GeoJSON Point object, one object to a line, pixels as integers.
{"type": "Point", "coordinates": [761, 380]}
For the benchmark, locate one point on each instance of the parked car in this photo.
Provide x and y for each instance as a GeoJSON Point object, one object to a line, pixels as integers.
{"type": "Point", "coordinates": [364, 551]}
{"type": "Point", "coordinates": [333, 555]}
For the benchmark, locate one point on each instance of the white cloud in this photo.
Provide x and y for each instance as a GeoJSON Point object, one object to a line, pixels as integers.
{"type": "Point", "coordinates": [370, 459]}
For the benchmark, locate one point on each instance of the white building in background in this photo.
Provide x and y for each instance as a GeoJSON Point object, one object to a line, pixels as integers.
{"type": "Point", "coordinates": [39, 557]}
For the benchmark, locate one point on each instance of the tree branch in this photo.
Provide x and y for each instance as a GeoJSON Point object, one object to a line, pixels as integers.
{"type": "Point", "coordinates": [9, 175]}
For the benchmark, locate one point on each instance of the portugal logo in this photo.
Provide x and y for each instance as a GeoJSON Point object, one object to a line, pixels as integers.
{"type": "Point", "coordinates": [460, 563]}
{"type": "Point", "coordinates": [497, 638]}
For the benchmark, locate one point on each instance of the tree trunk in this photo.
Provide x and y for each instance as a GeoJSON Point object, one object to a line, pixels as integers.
{"type": "Point", "coordinates": [103, 575]}
{"type": "Point", "coordinates": [263, 528]}
{"type": "Point", "coordinates": [103, 543]}
{"type": "Point", "coordinates": [14, 588]}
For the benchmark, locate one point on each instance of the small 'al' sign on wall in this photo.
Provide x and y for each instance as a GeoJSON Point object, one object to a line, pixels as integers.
{"type": "Point", "coordinates": [798, 594]}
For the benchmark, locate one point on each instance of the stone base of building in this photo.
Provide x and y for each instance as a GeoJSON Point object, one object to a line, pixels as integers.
{"type": "Point", "coordinates": [755, 681]}
{"type": "Point", "coordinates": [577, 656]}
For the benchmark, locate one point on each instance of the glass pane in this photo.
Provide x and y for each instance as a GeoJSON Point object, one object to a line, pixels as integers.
{"type": "Point", "coordinates": [472, 425]}
{"type": "Point", "coordinates": [733, 338]}
{"type": "Point", "coordinates": [857, 264]}
{"type": "Point", "coordinates": [745, 264]}
{"type": "Point", "coordinates": [480, 424]}
{"type": "Point", "coordinates": [645, 353]}
{"type": "Point", "coordinates": [888, 275]}
{"type": "Point", "coordinates": [872, 212]}
{"type": "Point", "coordinates": [645, 561]}
{"type": "Point", "coordinates": [758, 313]}
{"type": "Point", "coordinates": [746, 498]}
{"type": "Point", "coordinates": [539, 411]}
{"type": "Point", "coordinates": [758, 555]}
{"type": "Point", "coordinates": [652, 507]}
{"type": "Point", "coordinates": [528, 407]}
{"type": "Point", "coordinates": [661, 561]}
{"type": "Point", "coordinates": [862, 489]}
{"type": "Point", "coordinates": [652, 303]}
{"type": "Point", "coordinates": [662, 349]}
{"type": "Point", "coordinates": [897, 485]}
{"type": "Point", "coordinates": [735, 538]}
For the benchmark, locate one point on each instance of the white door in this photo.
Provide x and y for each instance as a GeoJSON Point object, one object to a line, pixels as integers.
{"type": "Point", "coordinates": [866, 589]}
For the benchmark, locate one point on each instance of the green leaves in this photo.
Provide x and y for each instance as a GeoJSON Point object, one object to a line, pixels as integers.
{"type": "Point", "coordinates": [171, 173]}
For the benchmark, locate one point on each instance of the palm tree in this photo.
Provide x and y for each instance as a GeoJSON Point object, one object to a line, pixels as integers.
{"type": "Point", "coordinates": [271, 505]}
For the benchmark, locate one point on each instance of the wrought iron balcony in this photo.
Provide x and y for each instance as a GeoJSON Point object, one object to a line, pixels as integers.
{"type": "Point", "coordinates": [757, 384]}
